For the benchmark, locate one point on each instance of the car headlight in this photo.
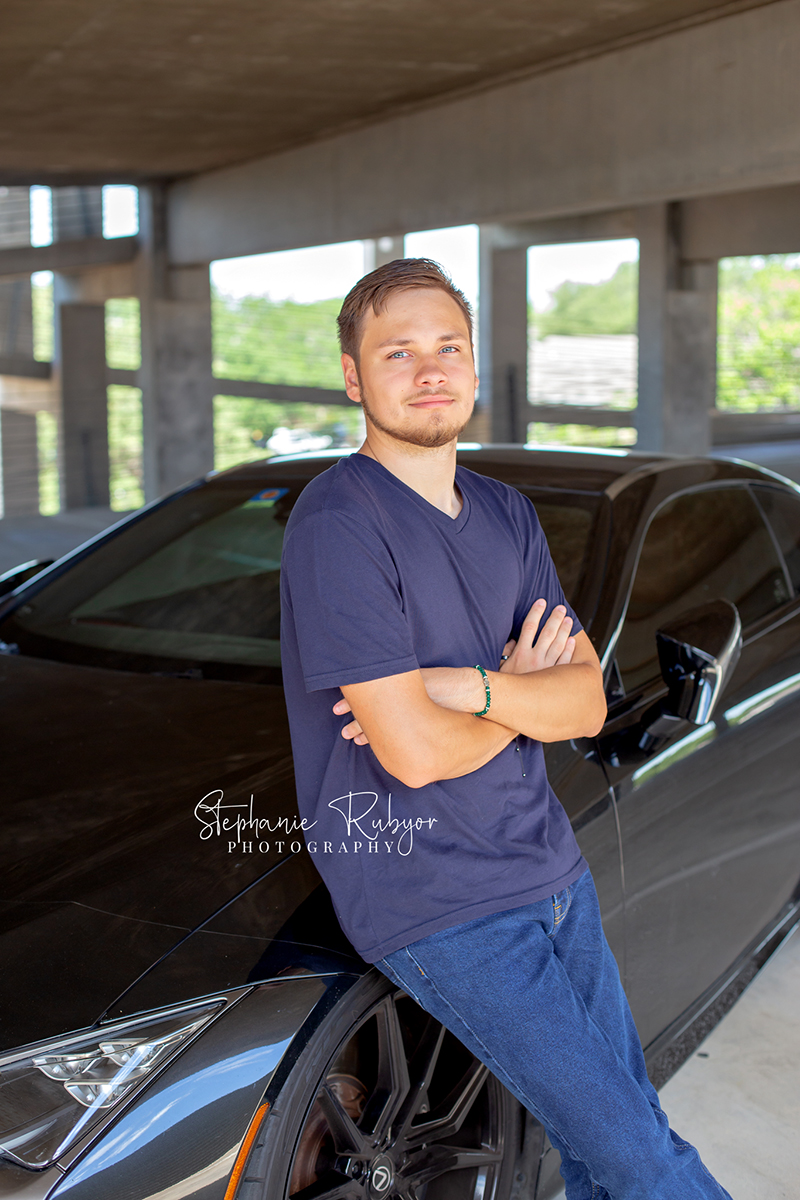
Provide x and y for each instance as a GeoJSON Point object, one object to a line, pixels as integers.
{"type": "Point", "coordinates": [52, 1094]}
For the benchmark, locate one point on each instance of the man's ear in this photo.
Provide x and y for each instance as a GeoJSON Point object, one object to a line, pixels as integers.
{"type": "Point", "coordinates": [351, 385]}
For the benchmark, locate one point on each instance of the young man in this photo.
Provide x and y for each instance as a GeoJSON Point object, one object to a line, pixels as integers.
{"type": "Point", "coordinates": [419, 696]}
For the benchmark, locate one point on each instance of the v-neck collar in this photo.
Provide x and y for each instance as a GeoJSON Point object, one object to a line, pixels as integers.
{"type": "Point", "coordinates": [453, 524]}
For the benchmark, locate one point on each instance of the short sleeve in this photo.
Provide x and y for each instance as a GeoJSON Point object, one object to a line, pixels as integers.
{"type": "Point", "coordinates": [541, 579]}
{"type": "Point", "coordinates": [342, 593]}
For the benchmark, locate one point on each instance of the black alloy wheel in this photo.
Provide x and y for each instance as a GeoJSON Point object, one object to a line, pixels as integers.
{"type": "Point", "coordinates": [385, 1104]}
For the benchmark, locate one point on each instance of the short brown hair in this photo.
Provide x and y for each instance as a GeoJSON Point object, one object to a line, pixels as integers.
{"type": "Point", "coordinates": [376, 288]}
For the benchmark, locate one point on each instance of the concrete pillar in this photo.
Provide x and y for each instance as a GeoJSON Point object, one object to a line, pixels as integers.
{"type": "Point", "coordinates": [16, 315]}
{"type": "Point", "coordinates": [15, 216]}
{"type": "Point", "coordinates": [176, 373]}
{"type": "Point", "coordinates": [378, 251]}
{"type": "Point", "coordinates": [79, 360]}
{"type": "Point", "coordinates": [677, 338]}
{"type": "Point", "coordinates": [77, 213]}
{"type": "Point", "coordinates": [503, 340]}
{"type": "Point", "coordinates": [19, 465]}
{"type": "Point", "coordinates": [84, 410]}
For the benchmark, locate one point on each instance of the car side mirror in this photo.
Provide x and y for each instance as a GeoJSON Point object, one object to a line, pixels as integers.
{"type": "Point", "coordinates": [698, 653]}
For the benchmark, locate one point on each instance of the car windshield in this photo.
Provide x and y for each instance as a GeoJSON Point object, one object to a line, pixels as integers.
{"type": "Point", "coordinates": [192, 588]}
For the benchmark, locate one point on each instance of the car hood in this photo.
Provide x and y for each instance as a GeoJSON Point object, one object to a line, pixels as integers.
{"type": "Point", "coordinates": [106, 861]}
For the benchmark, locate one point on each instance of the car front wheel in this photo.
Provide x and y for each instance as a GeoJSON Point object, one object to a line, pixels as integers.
{"type": "Point", "coordinates": [385, 1104]}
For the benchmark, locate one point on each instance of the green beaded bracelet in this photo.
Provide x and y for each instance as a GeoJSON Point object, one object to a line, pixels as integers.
{"type": "Point", "coordinates": [486, 684]}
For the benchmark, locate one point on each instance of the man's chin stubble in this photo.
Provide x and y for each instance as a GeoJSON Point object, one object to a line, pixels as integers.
{"type": "Point", "coordinates": [438, 432]}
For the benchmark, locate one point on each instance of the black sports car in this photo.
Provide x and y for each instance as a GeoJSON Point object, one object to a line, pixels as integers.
{"type": "Point", "coordinates": [180, 1014]}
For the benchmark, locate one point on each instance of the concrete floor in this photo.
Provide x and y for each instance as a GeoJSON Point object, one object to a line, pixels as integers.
{"type": "Point", "coordinates": [782, 457]}
{"type": "Point", "coordinates": [737, 1099]}
{"type": "Point", "coordinates": [26, 538]}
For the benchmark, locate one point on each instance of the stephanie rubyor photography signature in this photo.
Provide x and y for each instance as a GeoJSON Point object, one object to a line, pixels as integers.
{"type": "Point", "coordinates": [365, 827]}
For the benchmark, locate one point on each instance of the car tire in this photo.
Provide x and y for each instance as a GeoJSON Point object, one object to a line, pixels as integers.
{"type": "Point", "coordinates": [385, 1104]}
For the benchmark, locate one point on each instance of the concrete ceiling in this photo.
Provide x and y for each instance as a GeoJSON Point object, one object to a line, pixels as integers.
{"type": "Point", "coordinates": [103, 90]}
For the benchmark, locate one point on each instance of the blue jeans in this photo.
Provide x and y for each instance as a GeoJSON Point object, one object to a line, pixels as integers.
{"type": "Point", "coordinates": [534, 992]}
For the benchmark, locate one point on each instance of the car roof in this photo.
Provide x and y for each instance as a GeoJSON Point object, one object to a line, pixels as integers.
{"type": "Point", "coordinates": [546, 467]}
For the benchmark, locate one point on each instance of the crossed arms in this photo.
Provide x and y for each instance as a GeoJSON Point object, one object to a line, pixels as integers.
{"type": "Point", "coordinates": [420, 723]}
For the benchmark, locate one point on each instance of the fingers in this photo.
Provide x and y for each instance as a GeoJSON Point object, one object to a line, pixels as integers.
{"type": "Point", "coordinates": [550, 629]}
{"type": "Point", "coordinates": [554, 643]}
{"type": "Point", "coordinates": [558, 628]}
{"type": "Point", "coordinates": [508, 650]}
{"type": "Point", "coordinates": [566, 655]}
{"type": "Point", "coordinates": [354, 732]}
{"type": "Point", "coordinates": [530, 625]}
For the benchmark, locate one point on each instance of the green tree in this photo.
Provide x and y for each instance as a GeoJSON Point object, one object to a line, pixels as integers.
{"type": "Point", "coordinates": [579, 309]}
{"type": "Point", "coordinates": [759, 333]}
{"type": "Point", "coordinates": [253, 338]}
{"type": "Point", "coordinates": [42, 302]}
{"type": "Point", "coordinates": [123, 333]}
{"type": "Point", "coordinates": [276, 341]}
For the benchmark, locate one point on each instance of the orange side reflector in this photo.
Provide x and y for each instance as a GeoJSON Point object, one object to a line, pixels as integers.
{"type": "Point", "coordinates": [241, 1157]}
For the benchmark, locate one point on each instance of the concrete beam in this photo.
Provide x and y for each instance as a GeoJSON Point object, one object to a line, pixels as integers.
{"type": "Point", "coordinates": [582, 414]}
{"type": "Point", "coordinates": [24, 367]}
{"type": "Point", "coordinates": [556, 231]}
{"type": "Point", "coordinates": [95, 285]}
{"type": "Point", "coordinates": [754, 222]}
{"type": "Point", "coordinates": [84, 411]}
{"type": "Point", "coordinates": [281, 393]}
{"type": "Point", "coordinates": [710, 109]}
{"type": "Point", "coordinates": [67, 256]}
{"type": "Point", "coordinates": [741, 429]}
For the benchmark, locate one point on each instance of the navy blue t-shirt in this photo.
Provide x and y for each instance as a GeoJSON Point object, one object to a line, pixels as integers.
{"type": "Point", "coordinates": [376, 581]}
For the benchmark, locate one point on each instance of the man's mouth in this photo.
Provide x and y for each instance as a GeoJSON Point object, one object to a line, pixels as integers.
{"type": "Point", "coordinates": [438, 401]}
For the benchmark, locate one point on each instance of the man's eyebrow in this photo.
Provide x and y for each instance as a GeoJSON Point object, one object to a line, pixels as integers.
{"type": "Point", "coordinates": [445, 337]}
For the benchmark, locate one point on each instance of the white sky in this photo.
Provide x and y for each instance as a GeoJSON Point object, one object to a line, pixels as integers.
{"type": "Point", "coordinates": [320, 272]}
{"type": "Point", "coordinates": [582, 262]}
{"type": "Point", "coordinates": [316, 273]}
{"type": "Point", "coordinates": [120, 211]}
{"type": "Point", "coordinates": [41, 217]}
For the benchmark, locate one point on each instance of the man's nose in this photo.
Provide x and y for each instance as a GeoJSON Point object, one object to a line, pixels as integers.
{"type": "Point", "coordinates": [431, 372]}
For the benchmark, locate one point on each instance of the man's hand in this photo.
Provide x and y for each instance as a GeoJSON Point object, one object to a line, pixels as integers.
{"type": "Point", "coordinates": [461, 688]}
{"type": "Point", "coordinates": [352, 731]}
{"type": "Point", "coordinates": [549, 691]}
{"type": "Point", "coordinates": [555, 646]}
{"type": "Point", "coordinates": [414, 739]}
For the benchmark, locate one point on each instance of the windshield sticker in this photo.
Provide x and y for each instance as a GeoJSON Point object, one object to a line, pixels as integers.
{"type": "Point", "coordinates": [266, 498]}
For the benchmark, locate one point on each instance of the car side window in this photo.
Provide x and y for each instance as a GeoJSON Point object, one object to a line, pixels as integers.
{"type": "Point", "coordinates": [783, 513]}
{"type": "Point", "coordinates": [700, 546]}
